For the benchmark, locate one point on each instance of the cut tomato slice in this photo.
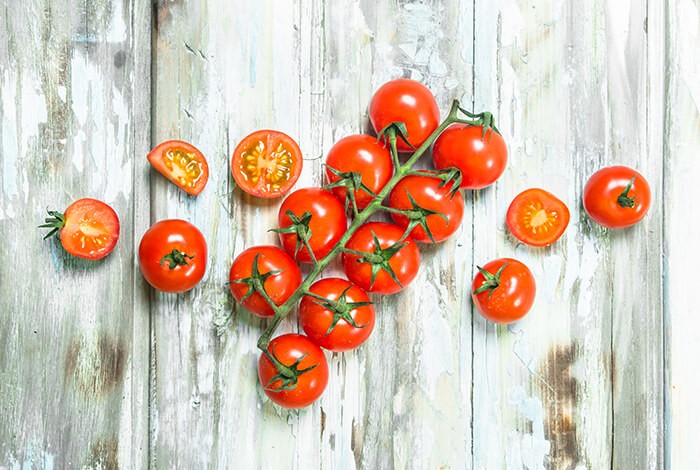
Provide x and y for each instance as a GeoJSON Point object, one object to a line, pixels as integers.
{"type": "Point", "coordinates": [182, 163]}
{"type": "Point", "coordinates": [537, 217]}
{"type": "Point", "coordinates": [266, 163]}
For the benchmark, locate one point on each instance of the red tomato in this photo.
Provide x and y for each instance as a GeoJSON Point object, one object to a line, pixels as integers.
{"type": "Point", "coordinates": [383, 258]}
{"type": "Point", "coordinates": [182, 164]}
{"type": "Point", "coordinates": [326, 224]}
{"type": "Point", "coordinates": [173, 256]}
{"type": "Point", "coordinates": [617, 197]}
{"type": "Point", "coordinates": [361, 154]}
{"type": "Point", "coordinates": [266, 163]}
{"type": "Point", "coordinates": [406, 101]}
{"type": "Point", "coordinates": [507, 291]}
{"type": "Point", "coordinates": [88, 229]}
{"type": "Point", "coordinates": [279, 286]}
{"type": "Point", "coordinates": [430, 207]}
{"type": "Point", "coordinates": [305, 373]}
{"type": "Point", "coordinates": [337, 316]}
{"type": "Point", "coordinates": [482, 160]}
{"type": "Point", "coordinates": [537, 217]}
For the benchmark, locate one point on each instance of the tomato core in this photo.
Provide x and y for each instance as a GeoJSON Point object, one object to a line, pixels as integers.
{"type": "Point", "coordinates": [184, 166]}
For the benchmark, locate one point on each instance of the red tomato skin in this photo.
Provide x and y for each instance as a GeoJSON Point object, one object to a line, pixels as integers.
{"type": "Point", "coordinates": [161, 239]}
{"type": "Point", "coordinates": [279, 287]}
{"type": "Point", "coordinates": [316, 319]}
{"type": "Point", "coordinates": [90, 211]}
{"type": "Point", "coordinates": [602, 190]}
{"type": "Point", "coordinates": [407, 101]}
{"type": "Point", "coordinates": [552, 205]}
{"type": "Point", "coordinates": [328, 222]}
{"type": "Point", "coordinates": [512, 299]}
{"type": "Point", "coordinates": [362, 154]}
{"type": "Point", "coordinates": [288, 349]}
{"type": "Point", "coordinates": [481, 160]}
{"type": "Point", "coordinates": [157, 159]}
{"type": "Point", "coordinates": [404, 263]}
{"type": "Point", "coordinates": [426, 192]}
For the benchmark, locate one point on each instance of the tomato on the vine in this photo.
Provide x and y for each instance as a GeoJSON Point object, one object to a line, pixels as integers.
{"type": "Point", "coordinates": [266, 163]}
{"type": "Point", "coordinates": [378, 261]}
{"type": "Point", "coordinates": [336, 314]}
{"type": "Point", "coordinates": [617, 197]}
{"type": "Point", "coordinates": [482, 158]}
{"type": "Point", "coordinates": [266, 266]}
{"type": "Point", "coordinates": [503, 290]}
{"type": "Point", "coordinates": [407, 101]}
{"type": "Point", "coordinates": [173, 255]}
{"type": "Point", "coordinates": [182, 163]}
{"type": "Point", "coordinates": [537, 217]}
{"type": "Point", "coordinates": [305, 371]}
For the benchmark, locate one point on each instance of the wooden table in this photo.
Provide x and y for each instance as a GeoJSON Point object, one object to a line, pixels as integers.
{"type": "Point", "coordinates": [99, 371]}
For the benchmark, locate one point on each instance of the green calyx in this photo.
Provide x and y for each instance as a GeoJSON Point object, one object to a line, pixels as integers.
{"type": "Point", "coordinates": [287, 374]}
{"type": "Point", "coordinates": [300, 228]}
{"type": "Point", "coordinates": [485, 119]}
{"type": "Point", "coordinates": [175, 258]}
{"type": "Point", "coordinates": [351, 181]}
{"type": "Point", "coordinates": [341, 308]}
{"type": "Point", "coordinates": [417, 216]}
{"type": "Point", "coordinates": [379, 258]}
{"type": "Point", "coordinates": [491, 281]}
{"type": "Point", "coordinates": [256, 282]}
{"type": "Point", "coordinates": [623, 200]}
{"type": "Point", "coordinates": [55, 222]}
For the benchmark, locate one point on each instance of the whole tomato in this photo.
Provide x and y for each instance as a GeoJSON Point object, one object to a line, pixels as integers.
{"type": "Point", "coordinates": [305, 371]}
{"type": "Point", "coordinates": [503, 290]}
{"type": "Point", "coordinates": [173, 256]}
{"type": "Point", "coordinates": [617, 197]}
{"type": "Point", "coordinates": [277, 272]}
{"type": "Point", "coordinates": [407, 101]}
{"type": "Point", "coordinates": [336, 314]}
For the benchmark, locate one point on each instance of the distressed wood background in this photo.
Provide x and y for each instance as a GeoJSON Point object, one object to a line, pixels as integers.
{"type": "Point", "coordinates": [98, 371]}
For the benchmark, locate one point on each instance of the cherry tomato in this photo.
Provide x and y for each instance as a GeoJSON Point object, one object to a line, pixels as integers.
{"type": "Point", "coordinates": [383, 255]}
{"type": "Point", "coordinates": [361, 154]}
{"type": "Point", "coordinates": [537, 217]}
{"type": "Point", "coordinates": [298, 353]}
{"type": "Point", "coordinates": [430, 206]}
{"type": "Point", "coordinates": [318, 216]}
{"type": "Point", "coordinates": [617, 197]}
{"type": "Point", "coordinates": [182, 164]}
{"type": "Point", "coordinates": [503, 290]}
{"type": "Point", "coordinates": [482, 160]}
{"type": "Point", "coordinates": [279, 286]}
{"type": "Point", "coordinates": [337, 316]}
{"type": "Point", "coordinates": [173, 256]}
{"type": "Point", "coordinates": [407, 101]}
{"type": "Point", "coordinates": [88, 228]}
{"type": "Point", "coordinates": [266, 163]}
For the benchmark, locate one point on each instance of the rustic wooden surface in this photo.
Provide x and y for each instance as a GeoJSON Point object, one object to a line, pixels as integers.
{"type": "Point", "coordinates": [98, 371]}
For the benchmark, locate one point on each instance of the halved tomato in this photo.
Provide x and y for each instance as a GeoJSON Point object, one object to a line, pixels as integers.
{"type": "Point", "coordinates": [182, 163]}
{"type": "Point", "coordinates": [266, 163]}
{"type": "Point", "coordinates": [537, 217]}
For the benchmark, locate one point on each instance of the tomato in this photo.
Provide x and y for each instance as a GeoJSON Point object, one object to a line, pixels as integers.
{"type": "Point", "coordinates": [617, 197]}
{"type": "Point", "coordinates": [430, 207]}
{"type": "Point", "coordinates": [377, 262]}
{"type": "Point", "coordinates": [482, 160]}
{"type": "Point", "coordinates": [336, 315]}
{"type": "Point", "coordinates": [362, 154]}
{"type": "Point", "coordinates": [305, 373]}
{"type": "Point", "coordinates": [278, 272]}
{"type": "Point", "coordinates": [537, 217]}
{"type": "Point", "coordinates": [182, 164]}
{"type": "Point", "coordinates": [311, 216]}
{"type": "Point", "coordinates": [266, 163]}
{"type": "Point", "coordinates": [407, 101]}
{"type": "Point", "coordinates": [87, 229]}
{"type": "Point", "coordinates": [173, 256]}
{"type": "Point", "coordinates": [504, 290]}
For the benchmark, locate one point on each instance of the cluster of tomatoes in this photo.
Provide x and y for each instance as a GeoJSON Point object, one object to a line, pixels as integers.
{"type": "Point", "coordinates": [315, 225]}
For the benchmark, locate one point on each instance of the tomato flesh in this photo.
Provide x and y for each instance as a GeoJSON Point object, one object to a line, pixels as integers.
{"type": "Point", "coordinates": [182, 164]}
{"type": "Point", "coordinates": [537, 217]}
{"type": "Point", "coordinates": [91, 229]}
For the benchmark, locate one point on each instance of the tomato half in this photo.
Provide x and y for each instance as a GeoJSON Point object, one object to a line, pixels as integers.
{"type": "Point", "coordinates": [537, 217]}
{"type": "Point", "coordinates": [407, 101]}
{"type": "Point", "coordinates": [173, 256]}
{"type": "Point", "coordinates": [266, 163]}
{"type": "Point", "coordinates": [361, 154]}
{"type": "Point", "coordinates": [337, 315]}
{"type": "Point", "coordinates": [279, 286]}
{"type": "Point", "coordinates": [299, 353]}
{"type": "Point", "coordinates": [507, 291]}
{"type": "Point", "coordinates": [482, 160]}
{"type": "Point", "coordinates": [317, 217]}
{"type": "Point", "coordinates": [182, 163]}
{"type": "Point", "coordinates": [617, 197]}
{"type": "Point", "coordinates": [375, 250]}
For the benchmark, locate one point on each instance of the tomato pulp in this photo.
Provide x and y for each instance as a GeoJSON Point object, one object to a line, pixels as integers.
{"type": "Point", "coordinates": [537, 217]}
{"type": "Point", "coordinates": [181, 163]}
